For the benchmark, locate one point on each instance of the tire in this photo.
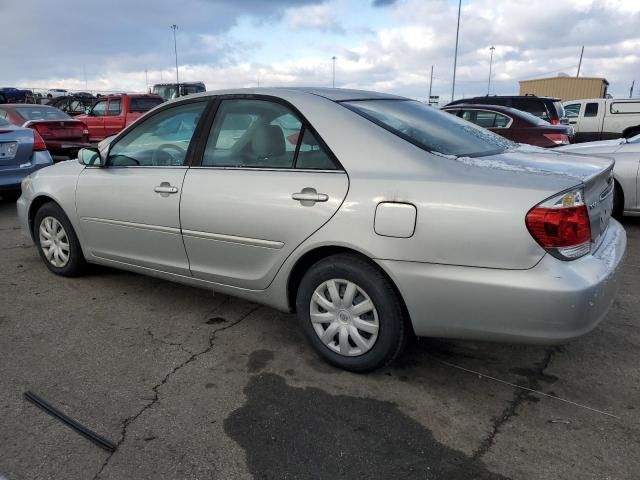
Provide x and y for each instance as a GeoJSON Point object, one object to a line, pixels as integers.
{"type": "Point", "coordinates": [375, 347]}
{"type": "Point", "coordinates": [51, 218]}
{"type": "Point", "coordinates": [618, 202]}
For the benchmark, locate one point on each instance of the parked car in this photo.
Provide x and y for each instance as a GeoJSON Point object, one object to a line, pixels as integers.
{"type": "Point", "coordinates": [111, 113]}
{"type": "Point", "coordinates": [604, 118]}
{"type": "Point", "coordinates": [22, 152]}
{"type": "Point", "coordinates": [73, 104]}
{"type": "Point", "coordinates": [62, 134]}
{"type": "Point", "coordinates": [626, 153]}
{"type": "Point", "coordinates": [368, 236]}
{"type": "Point", "coordinates": [15, 95]}
{"type": "Point", "coordinates": [169, 91]}
{"type": "Point", "coordinates": [546, 108]}
{"type": "Point", "coordinates": [518, 126]}
{"type": "Point", "coordinates": [56, 92]}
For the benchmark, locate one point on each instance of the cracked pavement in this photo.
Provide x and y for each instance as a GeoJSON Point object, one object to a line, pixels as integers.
{"type": "Point", "coordinates": [192, 385]}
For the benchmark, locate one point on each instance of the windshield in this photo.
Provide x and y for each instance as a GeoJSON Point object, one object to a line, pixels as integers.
{"type": "Point", "coordinates": [431, 129]}
{"type": "Point", "coordinates": [42, 113]}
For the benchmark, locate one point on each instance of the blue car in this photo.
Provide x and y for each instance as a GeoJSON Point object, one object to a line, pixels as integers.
{"type": "Point", "coordinates": [22, 152]}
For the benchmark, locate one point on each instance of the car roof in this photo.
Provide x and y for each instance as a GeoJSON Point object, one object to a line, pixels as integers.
{"type": "Point", "coordinates": [334, 94]}
{"type": "Point", "coordinates": [483, 106]}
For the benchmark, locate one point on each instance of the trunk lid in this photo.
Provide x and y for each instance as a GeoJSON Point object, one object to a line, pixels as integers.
{"type": "Point", "coordinates": [58, 129]}
{"type": "Point", "coordinates": [15, 146]}
{"type": "Point", "coordinates": [595, 173]}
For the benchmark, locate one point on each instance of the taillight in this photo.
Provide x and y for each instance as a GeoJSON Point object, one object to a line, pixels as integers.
{"type": "Point", "coordinates": [42, 129]}
{"type": "Point", "coordinates": [561, 225]}
{"type": "Point", "coordinates": [38, 142]}
{"type": "Point", "coordinates": [554, 121]}
{"type": "Point", "coordinates": [557, 138]}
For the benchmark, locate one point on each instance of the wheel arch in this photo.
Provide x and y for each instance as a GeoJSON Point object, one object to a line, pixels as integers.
{"type": "Point", "coordinates": [36, 203]}
{"type": "Point", "coordinates": [314, 255]}
{"type": "Point", "coordinates": [631, 131]}
{"type": "Point", "coordinates": [617, 189]}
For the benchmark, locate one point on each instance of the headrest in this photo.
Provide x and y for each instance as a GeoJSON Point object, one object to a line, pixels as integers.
{"type": "Point", "coordinates": [268, 141]}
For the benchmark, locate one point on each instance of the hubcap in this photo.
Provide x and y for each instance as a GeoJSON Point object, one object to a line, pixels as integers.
{"type": "Point", "coordinates": [54, 242]}
{"type": "Point", "coordinates": [344, 317]}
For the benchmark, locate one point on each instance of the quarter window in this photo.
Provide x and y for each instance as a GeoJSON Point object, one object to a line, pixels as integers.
{"type": "Point", "coordinates": [261, 134]}
{"type": "Point", "coordinates": [161, 140]}
{"type": "Point", "coordinates": [591, 110]}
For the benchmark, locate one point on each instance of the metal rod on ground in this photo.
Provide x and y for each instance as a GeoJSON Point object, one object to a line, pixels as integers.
{"type": "Point", "coordinates": [455, 55]}
{"type": "Point", "coordinates": [70, 422]}
{"type": "Point", "coordinates": [580, 62]}
{"type": "Point", "coordinates": [174, 27]}
{"type": "Point", "coordinates": [490, 65]}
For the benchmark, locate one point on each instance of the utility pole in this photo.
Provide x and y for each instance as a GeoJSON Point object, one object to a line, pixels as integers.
{"type": "Point", "coordinates": [174, 27]}
{"type": "Point", "coordinates": [580, 62]}
{"type": "Point", "coordinates": [490, 65]}
{"type": "Point", "coordinates": [455, 55]}
{"type": "Point", "coordinates": [333, 83]}
{"type": "Point", "coordinates": [430, 85]}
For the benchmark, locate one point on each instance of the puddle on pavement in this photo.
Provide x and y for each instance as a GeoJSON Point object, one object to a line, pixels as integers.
{"type": "Point", "coordinates": [290, 432]}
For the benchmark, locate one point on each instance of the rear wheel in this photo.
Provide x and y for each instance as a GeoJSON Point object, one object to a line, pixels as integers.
{"type": "Point", "coordinates": [57, 242]}
{"type": "Point", "coordinates": [351, 314]}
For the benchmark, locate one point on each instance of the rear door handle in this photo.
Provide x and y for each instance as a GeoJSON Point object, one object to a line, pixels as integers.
{"type": "Point", "coordinates": [309, 196]}
{"type": "Point", "coordinates": [165, 188]}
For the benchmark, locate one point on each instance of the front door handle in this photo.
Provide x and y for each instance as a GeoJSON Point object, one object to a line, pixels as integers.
{"type": "Point", "coordinates": [165, 189]}
{"type": "Point", "coordinates": [309, 196]}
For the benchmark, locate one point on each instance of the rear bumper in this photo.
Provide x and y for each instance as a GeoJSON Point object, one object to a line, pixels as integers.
{"type": "Point", "coordinates": [549, 303]}
{"type": "Point", "coordinates": [11, 178]}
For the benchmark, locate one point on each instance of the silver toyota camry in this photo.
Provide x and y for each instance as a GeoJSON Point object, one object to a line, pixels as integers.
{"type": "Point", "coordinates": [373, 217]}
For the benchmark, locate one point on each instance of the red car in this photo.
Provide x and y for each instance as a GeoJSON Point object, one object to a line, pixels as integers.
{"type": "Point", "coordinates": [109, 115]}
{"type": "Point", "coordinates": [62, 134]}
{"type": "Point", "coordinates": [516, 125]}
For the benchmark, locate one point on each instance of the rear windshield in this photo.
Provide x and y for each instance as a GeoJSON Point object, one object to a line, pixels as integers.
{"type": "Point", "coordinates": [560, 109]}
{"type": "Point", "coordinates": [144, 104]}
{"type": "Point", "coordinates": [41, 113]}
{"type": "Point", "coordinates": [532, 118]}
{"type": "Point", "coordinates": [3, 122]}
{"type": "Point", "coordinates": [431, 129]}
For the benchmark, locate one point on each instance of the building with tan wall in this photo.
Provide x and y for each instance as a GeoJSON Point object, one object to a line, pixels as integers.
{"type": "Point", "coordinates": [565, 88]}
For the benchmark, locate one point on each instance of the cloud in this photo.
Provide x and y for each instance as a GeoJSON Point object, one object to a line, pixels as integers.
{"type": "Point", "coordinates": [318, 17]}
{"type": "Point", "coordinates": [291, 43]}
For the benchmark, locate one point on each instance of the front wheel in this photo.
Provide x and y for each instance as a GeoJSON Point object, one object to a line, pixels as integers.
{"type": "Point", "coordinates": [57, 242]}
{"type": "Point", "coordinates": [351, 314]}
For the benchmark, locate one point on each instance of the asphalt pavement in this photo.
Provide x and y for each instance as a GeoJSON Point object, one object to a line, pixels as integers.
{"type": "Point", "coordinates": [192, 385]}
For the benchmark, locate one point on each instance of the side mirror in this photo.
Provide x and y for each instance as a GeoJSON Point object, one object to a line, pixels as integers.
{"type": "Point", "coordinates": [90, 157]}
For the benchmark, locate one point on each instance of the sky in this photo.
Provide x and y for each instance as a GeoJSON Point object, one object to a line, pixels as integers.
{"type": "Point", "coordinates": [382, 45]}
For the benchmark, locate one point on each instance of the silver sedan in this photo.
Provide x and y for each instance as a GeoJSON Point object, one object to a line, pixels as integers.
{"type": "Point", "coordinates": [626, 153]}
{"type": "Point", "coordinates": [373, 217]}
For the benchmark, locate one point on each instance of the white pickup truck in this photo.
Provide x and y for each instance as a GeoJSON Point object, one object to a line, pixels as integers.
{"type": "Point", "coordinates": [603, 118]}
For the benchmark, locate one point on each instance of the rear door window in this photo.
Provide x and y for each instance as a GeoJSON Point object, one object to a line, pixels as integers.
{"type": "Point", "coordinates": [591, 110]}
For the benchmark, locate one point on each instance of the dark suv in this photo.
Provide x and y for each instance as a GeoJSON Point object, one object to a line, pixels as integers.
{"type": "Point", "coordinates": [546, 108]}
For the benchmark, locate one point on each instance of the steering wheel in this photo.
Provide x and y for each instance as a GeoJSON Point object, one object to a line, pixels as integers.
{"type": "Point", "coordinates": [167, 155]}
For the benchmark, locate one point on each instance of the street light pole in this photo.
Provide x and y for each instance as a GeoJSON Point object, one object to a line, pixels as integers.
{"type": "Point", "coordinates": [174, 27]}
{"type": "Point", "coordinates": [430, 85]}
{"type": "Point", "coordinates": [333, 83]}
{"type": "Point", "coordinates": [490, 65]}
{"type": "Point", "coordinates": [455, 55]}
